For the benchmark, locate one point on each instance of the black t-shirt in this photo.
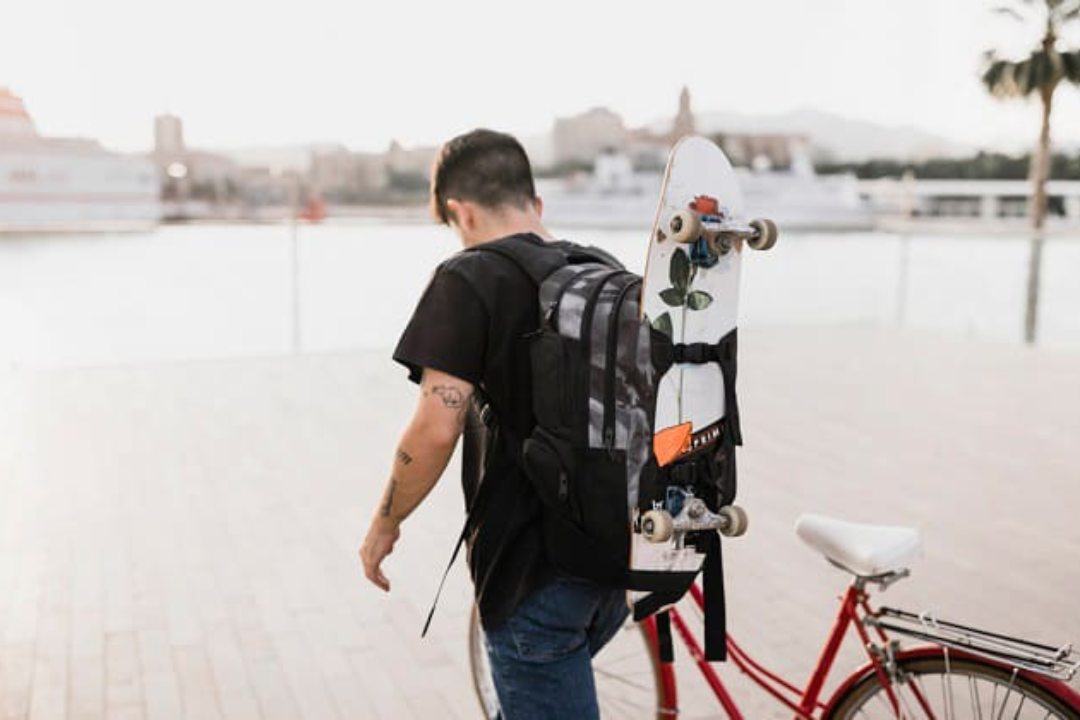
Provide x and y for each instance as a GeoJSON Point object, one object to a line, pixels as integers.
{"type": "Point", "coordinates": [470, 323]}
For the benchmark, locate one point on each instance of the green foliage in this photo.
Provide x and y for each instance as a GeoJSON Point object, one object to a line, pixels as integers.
{"type": "Point", "coordinates": [679, 271]}
{"type": "Point", "coordinates": [663, 324]}
{"type": "Point", "coordinates": [698, 300]}
{"type": "Point", "coordinates": [1070, 63]}
{"type": "Point", "coordinates": [673, 297]}
{"type": "Point", "coordinates": [982, 166]}
{"type": "Point", "coordinates": [679, 294]}
{"type": "Point", "coordinates": [564, 169]}
{"type": "Point", "coordinates": [1047, 65]}
{"type": "Point", "coordinates": [1041, 71]}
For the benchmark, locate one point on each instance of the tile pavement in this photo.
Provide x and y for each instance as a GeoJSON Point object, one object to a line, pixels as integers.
{"type": "Point", "coordinates": [178, 540]}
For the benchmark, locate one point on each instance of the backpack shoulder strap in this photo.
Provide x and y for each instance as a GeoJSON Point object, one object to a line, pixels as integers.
{"type": "Point", "coordinates": [537, 262]}
{"type": "Point", "coordinates": [540, 261]}
{"type": "Point", "coordinates": [591, 253]}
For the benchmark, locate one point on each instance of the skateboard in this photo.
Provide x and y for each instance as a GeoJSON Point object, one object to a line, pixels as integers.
{"type": "Point", "coordinates": [690, 293]}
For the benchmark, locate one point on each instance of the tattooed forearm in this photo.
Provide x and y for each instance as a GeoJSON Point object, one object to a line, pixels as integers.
{"type": "Point", "coordinates": [388, 503]}
{"type": "Point", "coordinates": [425, 447]}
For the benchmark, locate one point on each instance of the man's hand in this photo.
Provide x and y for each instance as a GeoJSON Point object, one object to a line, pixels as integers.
{"type": "Point", "coordinates": [378, 543]}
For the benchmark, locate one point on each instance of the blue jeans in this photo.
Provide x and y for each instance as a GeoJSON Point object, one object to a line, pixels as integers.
{"type": "Point", "coordinates": [541, 658]}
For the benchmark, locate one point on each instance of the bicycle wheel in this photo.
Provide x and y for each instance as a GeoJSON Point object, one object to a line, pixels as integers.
{"type": "Point", "coordinates": [935, 685]}
{"type": "Point", "coordinates": [630, 681]}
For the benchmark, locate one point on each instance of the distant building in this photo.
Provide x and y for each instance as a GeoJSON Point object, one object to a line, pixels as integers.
{"type": "Point", "coordinates": [264, 187]}
{"type": "Point", "coordinates": [416, 161]}
{"type": "Point", "coordinates": [648, 149]}
{"type": "Point", "coordinates": [341, 176]}
{"type": "Point", "coordinates": [684, 119]}
{"type": "Point", "coordinates": [168, 135]}
{"type": "Point", "coordinates": [408, 170]}
{"type": "Point", "coordinates": [763, 151]}
{"type": "Point", "coordinates": [193, 182]}
{"type": "Point", "coordinates": [583, 138]}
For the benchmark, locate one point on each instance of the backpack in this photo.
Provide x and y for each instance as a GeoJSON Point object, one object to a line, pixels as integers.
{"type": "Point", "coordinates": [596, 363]}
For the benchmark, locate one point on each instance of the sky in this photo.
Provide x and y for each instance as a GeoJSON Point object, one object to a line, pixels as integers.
{"type": "Point", "coordinates": [362, 73]}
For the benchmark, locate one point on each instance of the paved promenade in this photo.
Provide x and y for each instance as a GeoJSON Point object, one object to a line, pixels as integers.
{"type": "Point", "coordinates": [179, 540]}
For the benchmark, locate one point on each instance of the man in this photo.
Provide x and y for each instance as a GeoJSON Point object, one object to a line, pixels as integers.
{"type": "Point", "coordinates": [466, 346]}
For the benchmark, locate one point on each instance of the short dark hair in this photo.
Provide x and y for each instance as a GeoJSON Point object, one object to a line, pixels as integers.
{"type": "Point", "coordinates": [483, 166]}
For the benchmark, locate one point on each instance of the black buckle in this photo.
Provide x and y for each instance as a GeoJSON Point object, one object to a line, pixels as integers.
{"type": "Point", "coordinates": [695, 353]}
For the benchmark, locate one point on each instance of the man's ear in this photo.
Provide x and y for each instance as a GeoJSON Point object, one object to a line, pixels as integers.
{"type": "Point", "coordinates": [463, 213]}
{"type": "Point", "coordinates": [538, 203]}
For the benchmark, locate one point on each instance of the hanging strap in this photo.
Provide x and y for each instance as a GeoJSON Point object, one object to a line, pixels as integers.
{"type": "Point", "coordinates": [453, 557]}
{"type": "Point", "coordinates": [487, 417]}
{"type": "Point", "coordinates": [715, 606]}
{"type": "Point", "coordinates": [715, 611]}
{"type": "Point", "coordinates": [663, 637]}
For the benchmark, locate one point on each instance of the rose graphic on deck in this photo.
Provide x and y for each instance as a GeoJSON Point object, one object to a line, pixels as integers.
{"type": "Point", "coordinates": [681, 295]}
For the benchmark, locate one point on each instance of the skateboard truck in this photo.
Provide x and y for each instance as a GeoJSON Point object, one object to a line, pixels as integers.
{"type": "Point", "coordinates": [719, 233]}
{"type": "Point", "coordinates": [692, 515]}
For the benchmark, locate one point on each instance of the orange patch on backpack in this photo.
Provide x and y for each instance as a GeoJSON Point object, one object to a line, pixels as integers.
{"type": "Point", "coordinates": [670, 443]}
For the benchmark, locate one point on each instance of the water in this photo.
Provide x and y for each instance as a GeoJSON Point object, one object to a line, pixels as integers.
{"type": "Point", "coordinates": [191, 292]}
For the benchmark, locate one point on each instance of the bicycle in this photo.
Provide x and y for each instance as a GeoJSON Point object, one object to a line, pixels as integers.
{"type": "Point", "coordinates": [959, 671]}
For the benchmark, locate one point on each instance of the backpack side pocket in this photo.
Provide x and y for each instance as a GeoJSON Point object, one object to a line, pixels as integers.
{"type": "Point", "coordinates": [548, 463]}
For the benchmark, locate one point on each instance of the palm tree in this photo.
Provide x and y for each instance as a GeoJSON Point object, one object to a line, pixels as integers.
{"type": "Point", "coordinates": [1038, 74]}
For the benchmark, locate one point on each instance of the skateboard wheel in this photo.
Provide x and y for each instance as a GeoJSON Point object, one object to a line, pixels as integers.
{"type": "Point", "coordinates": [713, 242]}
{"type": "Point", "coordinates": [685, 226]}
{"type": "Point", "coordinates": [657, 526]}
{"type": "Point", "coordinates": [766, 234]}
{"type": "Point", "coordinates": [718, 245]}
{"type": "Point", "coordinates": [737, 521]}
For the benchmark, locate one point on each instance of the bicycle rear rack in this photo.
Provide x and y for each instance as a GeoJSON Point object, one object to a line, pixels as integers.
{"type": "Point", "coordinates": [1060, 662]}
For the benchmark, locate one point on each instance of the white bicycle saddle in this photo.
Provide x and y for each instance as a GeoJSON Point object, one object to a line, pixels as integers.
{"type": "Point", "coordinates": [865, 550]}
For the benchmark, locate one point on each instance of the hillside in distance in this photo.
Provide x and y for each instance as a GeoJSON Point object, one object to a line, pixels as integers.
{"type": "Point", "coordinates": [833, 137]}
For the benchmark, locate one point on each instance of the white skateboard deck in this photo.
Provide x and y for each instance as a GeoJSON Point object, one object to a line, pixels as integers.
{"type": "Point", "coordinates": [691, 303]}
{"type": "Point", "coordinates": [707, 308]}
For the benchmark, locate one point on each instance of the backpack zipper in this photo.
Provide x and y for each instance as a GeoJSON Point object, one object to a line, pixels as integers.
{"type": "Point", "coordinates": [609, 367]}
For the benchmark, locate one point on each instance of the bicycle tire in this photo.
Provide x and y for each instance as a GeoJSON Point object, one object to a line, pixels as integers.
{"type": "Point", "coordinates": [629, 676]}
{"type": "Point", "coordinates": [953, 685]}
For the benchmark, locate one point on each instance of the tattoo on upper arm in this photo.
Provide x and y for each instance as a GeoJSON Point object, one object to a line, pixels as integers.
{"type": "Point", "coordinates": [403, 457]}
{"type": "Point", "coordinates": [388, 503]}
{"type": "Point", "coordinates": [453, 398]}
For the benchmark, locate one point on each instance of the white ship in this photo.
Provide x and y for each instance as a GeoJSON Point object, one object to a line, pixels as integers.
{"type": "Point", "coordinates": [617, 196]}
{"type": "Point", "coordinates": [62, 184]}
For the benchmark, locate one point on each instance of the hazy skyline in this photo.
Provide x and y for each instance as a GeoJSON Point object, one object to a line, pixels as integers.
{"type": "Point", "coordinates": [244, 73]}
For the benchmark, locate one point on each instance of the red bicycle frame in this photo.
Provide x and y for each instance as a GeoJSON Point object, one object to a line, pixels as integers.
{"type": "Point", "coordinates": [803, 702]}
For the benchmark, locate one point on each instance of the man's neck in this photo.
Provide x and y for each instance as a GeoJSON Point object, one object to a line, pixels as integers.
{"type": "Point", "coordinates": [511, 222]}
